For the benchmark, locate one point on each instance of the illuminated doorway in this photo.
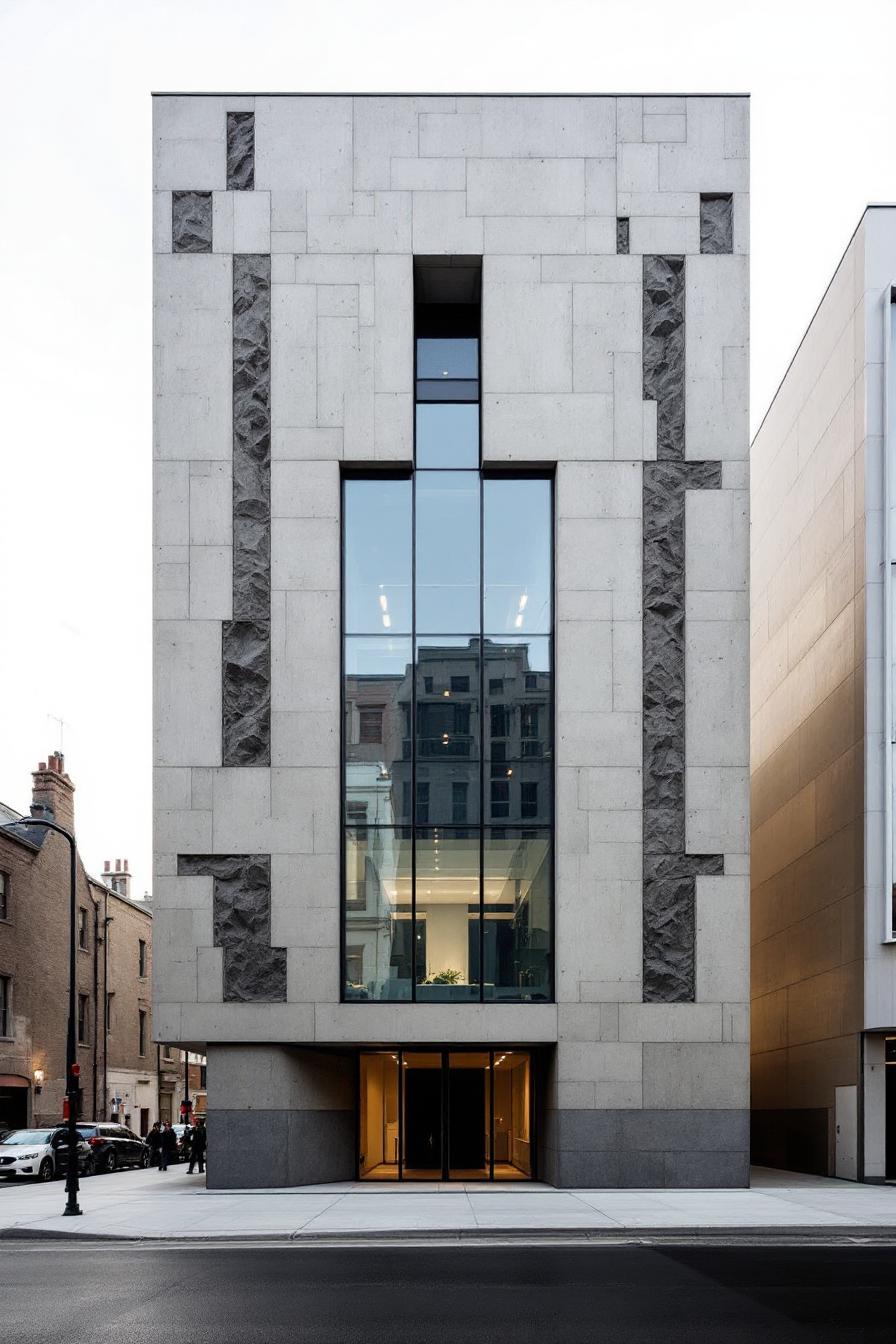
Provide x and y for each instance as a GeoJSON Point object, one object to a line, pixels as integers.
{"type": "Point", "coordinates": [445, 1115]}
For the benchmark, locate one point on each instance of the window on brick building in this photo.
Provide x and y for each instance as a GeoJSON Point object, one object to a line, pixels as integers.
{"type": "Point", "coordinates": [83, 1019]}
{"type": "Point", "coordinates": [4, 895]}
{"type": "Point", "coordinates": [141, 1024]}
{"type": "Point", "coordinates": [141, 957]}
{"type": "Point", "coordinates": [82, 927]}
{"type": "Point", "coordinates": [370, 725]}
{"type": "Point", "coordinates": [5, 1005]}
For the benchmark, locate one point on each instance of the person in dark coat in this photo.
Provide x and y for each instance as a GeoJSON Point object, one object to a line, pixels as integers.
{"type": "Point", "coordinates": [168, 1148]}
{"type": "Point", "coordinates": [197, 1147]}
{"type": "Point", "coordinates": [154, 1143]}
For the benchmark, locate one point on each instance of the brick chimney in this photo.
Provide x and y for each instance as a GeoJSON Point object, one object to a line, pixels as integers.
{"type": "Point", "coordinates": [52, 792]}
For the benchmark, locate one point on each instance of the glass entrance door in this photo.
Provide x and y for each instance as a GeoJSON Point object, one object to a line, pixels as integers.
{"type": "Point", "coordinates": [440, 1115]}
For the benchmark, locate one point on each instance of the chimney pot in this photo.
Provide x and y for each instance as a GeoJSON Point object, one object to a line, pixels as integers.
{"type": "Point", "coordinates": [106, 865]}
{"type": "Point", "coordinates": [125, 865]}
{"type": "Point", "coordinates": [42, 765]}
{"type": "Point", "coordinates": [118, 865]}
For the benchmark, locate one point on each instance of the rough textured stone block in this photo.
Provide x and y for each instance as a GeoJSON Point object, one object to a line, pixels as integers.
{"type": "Point", "coordinates": [191, 221]}
{"type": "Point", "coordinates": [240, 151]}
{"type": "Point", "coordinates": [669, 872]}
{"type": "Point", "coordinates": [246, 698]}
{"type": "Point", "coordinates": [254, 972]}
{"type": "Point", "coordinates": [663, 350]}
{"type": "Point", "coordinates": [716, 224]}
{"type": "Point", "coordinates": [622, 236]}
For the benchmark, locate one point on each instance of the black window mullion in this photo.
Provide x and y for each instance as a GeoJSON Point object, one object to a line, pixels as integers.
{"type": "Point", "coordinates": [414, 723]}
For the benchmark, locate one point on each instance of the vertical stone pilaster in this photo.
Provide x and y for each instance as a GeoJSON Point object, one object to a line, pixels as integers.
{"type": "Point", "coordinates": [668, 871]}
{"type": "Point", "coordinates": [247, 638]}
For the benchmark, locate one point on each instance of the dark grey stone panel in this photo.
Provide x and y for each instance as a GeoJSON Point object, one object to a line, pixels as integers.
{"type": "Point", "coordinates": [701, 1171]}
{"type": "Point", "coordinates": [650, 1149]}
{"type": "Point", "coordinates": [247, 638]}
{"type": "Point", "coordinates": [240, 151]}
{"type": "Point", "coordinates": [268, 1149]}
{"type": "Point", "coordinates": [254, 972]}
{"type": "Point", "coordinates": [668, 872]}
{"type": "Point", "coordinates": [321, 1147]}
{"type": "Point", "coordinates": [622, 235]}
{"type": "Point", "coordinates": [248, 1150]}
{"type": "Point", "coordinates": [663, 351]}
{"type": "Point", "coordinates": [246, 654]}
{"type": "Point", "coordinates": [191, 221]}
{"type": "Point", "coordinates": [717, 223]}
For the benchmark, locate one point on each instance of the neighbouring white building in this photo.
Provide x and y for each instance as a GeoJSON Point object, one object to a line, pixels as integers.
{"type": "Point", "coordinates": [823, 549]}
{"type": "Point", "coordinates": [451, 654]}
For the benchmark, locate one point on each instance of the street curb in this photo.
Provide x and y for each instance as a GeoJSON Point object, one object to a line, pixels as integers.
{"type": "Point", "coordinates": [769, 1236]}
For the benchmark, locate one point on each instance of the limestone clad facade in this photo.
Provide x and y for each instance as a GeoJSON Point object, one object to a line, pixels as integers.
{"type": "Point", "coordinates": [612, 236]}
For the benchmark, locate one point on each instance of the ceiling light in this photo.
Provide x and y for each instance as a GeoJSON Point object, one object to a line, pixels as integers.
{"type": "Point", "coordinates": [384, 602]}
{"type": "Point", "coordinates": [523, 600]}
{"type": "Point", "coordinates": [518, 623]}
{"type": "Point", "coordinates": [387, 620]}
{"type": "Point", "coordinates": [446, 692]}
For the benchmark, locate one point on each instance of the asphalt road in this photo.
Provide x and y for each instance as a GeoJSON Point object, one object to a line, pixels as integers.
{"type": "Point", "coordinates": [405, 1295]}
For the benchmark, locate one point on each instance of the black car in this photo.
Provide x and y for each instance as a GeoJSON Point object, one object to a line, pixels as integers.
{"type": "Point", "coordinates": [114, 1146]}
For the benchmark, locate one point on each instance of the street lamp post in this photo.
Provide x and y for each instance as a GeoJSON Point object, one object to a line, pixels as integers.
{"type": "Point", "coordinates": [72, 1071]}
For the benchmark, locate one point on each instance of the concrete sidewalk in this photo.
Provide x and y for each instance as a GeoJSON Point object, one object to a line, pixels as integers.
{"type": "Point", "coordinates": [172, 1205]}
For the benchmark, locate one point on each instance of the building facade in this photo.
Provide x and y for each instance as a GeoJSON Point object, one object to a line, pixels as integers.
{"type": "Point", "coordinates": [116, 1053]}
{"type": "Point", "coordinates": [823, 950]}
{"type": "Point", "coordinates": [451, 550]}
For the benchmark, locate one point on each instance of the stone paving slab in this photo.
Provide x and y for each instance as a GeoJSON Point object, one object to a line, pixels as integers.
{"type": "Point", "coordinates": [158, 1206]}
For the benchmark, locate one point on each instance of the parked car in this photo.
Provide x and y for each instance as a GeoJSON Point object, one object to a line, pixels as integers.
{"type": "Point", "coordinates": [42, 1154]}
{"type": "Point", "coordinates": [113, 1146]}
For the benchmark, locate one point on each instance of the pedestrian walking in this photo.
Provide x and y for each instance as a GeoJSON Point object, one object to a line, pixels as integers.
{"type": "Point", "coordinates": [154, 1143]}
{"type": "Point", "coordinates": [167, 1147]}
{"type": "Point", "coordinates": [185, 1142]}
{"type": "Point", "coordinates": [197, 1147]}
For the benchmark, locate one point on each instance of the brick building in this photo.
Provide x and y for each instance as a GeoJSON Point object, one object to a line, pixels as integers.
{"type": "Point", "coordinates": [119, 1062]}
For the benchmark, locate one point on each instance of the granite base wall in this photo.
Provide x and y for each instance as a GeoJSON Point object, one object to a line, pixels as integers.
{"type": "Point", "coordinates": [262, 1149]}
{"type": "Point", "coordinates": [700, 1149]}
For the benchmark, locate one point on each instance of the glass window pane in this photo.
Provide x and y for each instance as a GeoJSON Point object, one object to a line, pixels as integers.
{"type": "Point", "coordinates": [517, 558]}
{"type": "Point", "coordinates": [517, 915]}
{"type": "Point", "coordinates": [518, 746]}
{"type": "Point", "coordinates": [378, 927]}
{"type": "Point", "coordinates": [447, 935]}
{"type": "Point", "coordinates": [377, 707]}
{"type": "Point", "coordinates": [422, 1128]}
{"type": "Point", "coordinates": [448, 733]}
{"type": "Point", "coordinates": [447, 552]}
{"type": "Point", "coordinates": [454, 389]}
{"type": "Point", "coordinates": [469, 1115]}
{"type": "Point", "coordinates": [377, 546]}
{"type": "Point", "coordinates": [378, 1129]}
{"type": "Point", "coordinates": [446, 357]}
{"type": "Point", "coordinates": [447, 435]}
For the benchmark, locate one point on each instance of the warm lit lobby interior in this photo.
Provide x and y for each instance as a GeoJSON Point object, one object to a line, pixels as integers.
{"type": "Point", "coordinates": [455, 1115]}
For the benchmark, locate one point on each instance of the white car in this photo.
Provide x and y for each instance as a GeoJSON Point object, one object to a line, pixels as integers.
{"type": "Point", "coordinates": [41, 1154]}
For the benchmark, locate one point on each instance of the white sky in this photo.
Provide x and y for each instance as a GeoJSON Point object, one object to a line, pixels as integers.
{"type": "Point", "coordinates": [75, 78]}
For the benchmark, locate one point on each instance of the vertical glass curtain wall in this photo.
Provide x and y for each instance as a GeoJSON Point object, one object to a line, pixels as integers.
{"type": "Point", "coordinates": [448, 712]}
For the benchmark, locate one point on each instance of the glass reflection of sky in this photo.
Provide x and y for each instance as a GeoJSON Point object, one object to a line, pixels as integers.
{"type": "Point", "coordinates": [517, 560]}
{"type": "Point", "coordinates": [447, 357]}
{"type": "Point", "coordinates": [378, 556]}
{"type": "Point", "coordinates": [447, 434]}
